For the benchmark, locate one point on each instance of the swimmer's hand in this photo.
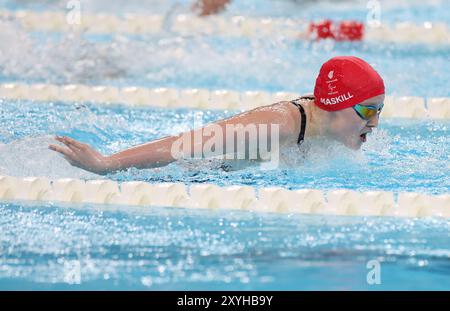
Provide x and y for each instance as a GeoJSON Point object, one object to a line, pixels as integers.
{"type": "Point", "coordinates": [82, 155]}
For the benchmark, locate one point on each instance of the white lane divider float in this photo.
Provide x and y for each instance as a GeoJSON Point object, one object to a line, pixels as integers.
{"type": "Point", "coordinates": [398, 107]}
{"type": "Point", "coordinates": [236, 26]}
{"type": "Point", "coordinates": [209, 196]}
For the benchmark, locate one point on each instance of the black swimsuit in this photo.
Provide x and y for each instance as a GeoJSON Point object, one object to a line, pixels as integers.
{"type": "Point", "coordinates": [301, 135]}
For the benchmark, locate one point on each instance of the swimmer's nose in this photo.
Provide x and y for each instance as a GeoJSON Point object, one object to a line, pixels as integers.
{"type": "Point", "coordinates": [373, 122]}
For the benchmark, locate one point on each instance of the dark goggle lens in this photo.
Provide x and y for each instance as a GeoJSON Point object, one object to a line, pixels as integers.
{"type": "Point", "coordinates": [367, 112]}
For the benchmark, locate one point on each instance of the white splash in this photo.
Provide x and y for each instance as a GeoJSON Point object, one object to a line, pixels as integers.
{"type": "Point", "coordinates": [30, 156]}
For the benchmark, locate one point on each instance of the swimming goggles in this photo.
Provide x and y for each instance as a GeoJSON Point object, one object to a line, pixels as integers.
{"type": "Point", "coordinates": [367, 112]}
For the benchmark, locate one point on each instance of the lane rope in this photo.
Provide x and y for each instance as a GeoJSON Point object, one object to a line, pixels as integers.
{"type": "Point", "coordinates": [209, 196]}
{"type": "Point", "coordinates": [235, 26]}
{"type": "Point", "coordinates": [405, 106]}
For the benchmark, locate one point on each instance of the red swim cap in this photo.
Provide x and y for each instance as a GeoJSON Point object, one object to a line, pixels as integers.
{"type": "Point", "coordinates": [345, 81]}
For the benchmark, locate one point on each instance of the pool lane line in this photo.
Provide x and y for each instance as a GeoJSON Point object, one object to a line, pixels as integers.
{"type": "Point", "coordinates": [114, 196]}
{"type": "Point", "coordinates": [395, 106]}
{"type": "Point", "coordinates": [234, 26]}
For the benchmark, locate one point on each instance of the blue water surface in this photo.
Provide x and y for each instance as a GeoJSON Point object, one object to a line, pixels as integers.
{"type": "Point", "coordinates": [82, 247]}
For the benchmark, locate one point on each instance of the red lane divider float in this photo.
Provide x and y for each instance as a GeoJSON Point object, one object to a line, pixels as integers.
{"type": "Point", "coordinates": [339, 31]}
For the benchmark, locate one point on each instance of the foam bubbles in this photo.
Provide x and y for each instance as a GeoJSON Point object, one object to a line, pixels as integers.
{"type": "Point", "coordinates": [30, 156]}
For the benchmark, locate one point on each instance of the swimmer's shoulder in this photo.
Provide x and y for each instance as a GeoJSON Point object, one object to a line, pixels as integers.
{"type": "Point", "coordinates": [284, 113]}
{"type": "Point", "coordinates": [293, 115]}
{"type": "Point", "coordinates": [304, 100]}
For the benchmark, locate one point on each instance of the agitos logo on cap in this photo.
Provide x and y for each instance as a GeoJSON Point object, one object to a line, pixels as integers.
{"type": "Point", "coordinates": [345, 81]}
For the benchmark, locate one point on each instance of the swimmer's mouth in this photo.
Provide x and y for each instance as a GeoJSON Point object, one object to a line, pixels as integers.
{"type": "Point", "coordinates": [363, 137]}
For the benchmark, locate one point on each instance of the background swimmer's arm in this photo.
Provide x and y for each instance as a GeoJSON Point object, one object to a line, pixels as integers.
{"type": "Point", "coordinates": [209, 7]}
{"type": "Point", "coordinates": [159, 152]}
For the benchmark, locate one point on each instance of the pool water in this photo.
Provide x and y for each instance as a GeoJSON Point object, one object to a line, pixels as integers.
{"type": "Point", "coordinates": [48, 246]}
{"type": "Point", "coordinates": [85, 246]}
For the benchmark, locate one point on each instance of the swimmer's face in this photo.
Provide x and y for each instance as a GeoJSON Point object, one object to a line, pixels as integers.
{"type": "Point", "coordinates": [350, 129]}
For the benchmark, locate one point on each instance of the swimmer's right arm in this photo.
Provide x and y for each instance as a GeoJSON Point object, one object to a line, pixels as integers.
{"type": "Point", "coordinates": [160, 152]}
{"type": "Point", "coordinates": [149, 155]}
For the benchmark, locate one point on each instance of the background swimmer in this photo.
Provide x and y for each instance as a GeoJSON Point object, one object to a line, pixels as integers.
{"type": "Point", "coordinates": [208, 7]}
{"type": "Point", "coordinates": [348, 97]}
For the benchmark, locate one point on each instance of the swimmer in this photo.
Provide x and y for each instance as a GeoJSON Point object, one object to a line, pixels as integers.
{"type": "Point", "coordinates": [348, 98]}
{"type": "Point", "coordinates": [209, 7]}
{"type": "Point", "coordinates": [346, 30]}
